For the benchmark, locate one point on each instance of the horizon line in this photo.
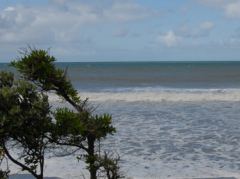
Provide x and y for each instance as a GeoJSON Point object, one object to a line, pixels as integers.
{"type": "Point", "coordinates": [144, 61]}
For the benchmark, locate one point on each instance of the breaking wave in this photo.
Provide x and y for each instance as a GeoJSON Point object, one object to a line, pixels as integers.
{"type": "Point", "coordinates": [161, 95]}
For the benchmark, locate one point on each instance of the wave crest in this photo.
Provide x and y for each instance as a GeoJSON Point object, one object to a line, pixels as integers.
{"type": "Point", "coordinates": [166, 95]}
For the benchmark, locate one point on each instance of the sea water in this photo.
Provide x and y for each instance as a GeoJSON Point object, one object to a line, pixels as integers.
{"type": "Point", "coordinates": [173, 119]}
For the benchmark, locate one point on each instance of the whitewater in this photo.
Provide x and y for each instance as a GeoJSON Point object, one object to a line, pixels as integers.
{"type": "Point", "coordinates": [173, 120]}
{"type": "Point", "coordinates": [167, 133]}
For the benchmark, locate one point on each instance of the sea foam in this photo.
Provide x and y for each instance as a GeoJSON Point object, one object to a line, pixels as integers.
{"type": "Point", "coordinates": [166, 133]}
{"type": "Point", "coordinates": [173, 95]}
{"type": "Point", "coordinates": [166, 140]}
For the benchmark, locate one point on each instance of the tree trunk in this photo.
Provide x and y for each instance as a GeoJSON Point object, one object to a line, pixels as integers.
{"type": "Point", "coordinates": [39, 177]}
{"type": "Point", "coordinates": [41, 168]}
{"type": "Point", "coordinates": [92, 167]}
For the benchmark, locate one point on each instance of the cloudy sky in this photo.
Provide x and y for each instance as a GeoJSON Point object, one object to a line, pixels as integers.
{"type": "Point", "coordinates": [122, 30]}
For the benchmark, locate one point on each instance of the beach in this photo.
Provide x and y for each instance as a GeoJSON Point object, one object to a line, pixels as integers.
{"type": "Point", "coordinates": [134, 88]}
{"type": "Point", "coordinates": [175, 129]}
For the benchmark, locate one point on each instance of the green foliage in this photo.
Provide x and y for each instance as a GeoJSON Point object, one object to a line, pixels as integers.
{"type": "Point", "coordinates": [68, 123]}
{"type": "Point", "coordinates": [6, 79]}
{"type": "Point", "coordinates": [27, 119]}
{"type": "Point", "coordinates": [72, 123]}
{"type": "Point", "coordinates": [38, 66]}
{"type": "Point", "coordinates": [110, 165]}
{"type": "Point", "coordinates": [100, 126]}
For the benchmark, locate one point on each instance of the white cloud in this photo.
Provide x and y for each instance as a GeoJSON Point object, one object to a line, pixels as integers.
{"type": "Point", "coordinates": [126, 12]}
{"type": "Point", "coordinates": [231, 8]}
{"type": "Point", "coordinates": [207, 25]}
{"type": "Point", "coordinates": [202, 30]}
{"type": "Point", "coordinates": [63, 20]}
{"type": "Point", "coordinates": [169, 39]}
{"type": "Point", "coordinates": [9, 8]}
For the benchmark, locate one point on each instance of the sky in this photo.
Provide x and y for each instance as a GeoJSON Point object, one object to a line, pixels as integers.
{"type": "Point", "coordinates": [122, 30]}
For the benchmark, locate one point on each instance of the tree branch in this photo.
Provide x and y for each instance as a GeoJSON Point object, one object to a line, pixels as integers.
{"type": "Point", "coordinates": [24, 167]}
{"type": "Point", "coordinates": [73, 145]}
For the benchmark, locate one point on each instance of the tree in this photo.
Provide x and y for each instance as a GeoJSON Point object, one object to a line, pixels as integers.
{"type": "Point", "coordinates": [25, 123]}
{"type": "Point", "coordinates": [77, 126]}
{"type": "Point", "coordinates": [3, 173]}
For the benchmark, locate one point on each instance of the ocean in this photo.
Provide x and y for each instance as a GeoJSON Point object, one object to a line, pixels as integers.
{"type": "Point", "coordinates": [173, 119]}
{"type": "Point", "coordinates": [133, 75]}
